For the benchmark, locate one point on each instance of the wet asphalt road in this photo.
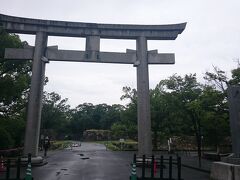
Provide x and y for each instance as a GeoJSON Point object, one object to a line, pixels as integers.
{"type": "Point", "coordinates": [88, 162]}
{"type": "Point", "coordinates": [92, 161]}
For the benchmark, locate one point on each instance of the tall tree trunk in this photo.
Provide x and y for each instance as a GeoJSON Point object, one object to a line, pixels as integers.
{"type": "Point", "coordinates": [197, 130]}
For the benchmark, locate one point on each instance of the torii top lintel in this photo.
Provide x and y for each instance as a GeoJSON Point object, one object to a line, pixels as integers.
{"type": "Point", "coordinates": [78, 29]}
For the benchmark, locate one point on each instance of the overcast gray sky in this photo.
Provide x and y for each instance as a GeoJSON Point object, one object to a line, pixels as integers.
{"type": "Point", "coordinates": [212, 37]}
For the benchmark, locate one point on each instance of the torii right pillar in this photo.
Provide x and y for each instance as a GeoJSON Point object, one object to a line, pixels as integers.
{"type": "Point", "coordinates": [143, 99]}
{"type": "Point", "coordinates": [234, 114]}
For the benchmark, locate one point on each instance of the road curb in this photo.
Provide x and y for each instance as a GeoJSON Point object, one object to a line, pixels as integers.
{"type": "Point", "coordinates": [196, 168]}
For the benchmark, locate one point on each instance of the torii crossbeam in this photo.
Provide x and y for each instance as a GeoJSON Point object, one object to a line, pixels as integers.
{"type": "Point", "coordinates": [40, 54]}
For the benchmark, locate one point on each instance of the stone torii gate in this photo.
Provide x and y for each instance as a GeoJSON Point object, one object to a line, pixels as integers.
{"type": "Point", "coordinates": [41, 54]}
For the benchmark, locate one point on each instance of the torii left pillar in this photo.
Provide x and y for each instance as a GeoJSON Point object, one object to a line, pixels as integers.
{"type": "Point", "coordinates": [35, 96]}
{"type": "Point", "coordinates": [143, 99]}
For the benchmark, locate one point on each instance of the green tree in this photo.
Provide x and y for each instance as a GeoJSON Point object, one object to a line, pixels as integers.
{"type": "Point", "coordinates": [14, 77]}
{"type": "Point", "coordinates": [217, 79]}
{"type": "Point", "coordinates": [14, 87]}
{"type": "Point", "coordinates": [181, 93]}
{"type": "Point", "coordinates": [88, 116]}
{"type": "Point", "coordinates": [5, 139]}
{"type": "Point", "coordinates": [55, 116]}
{"type": "Point", "coordinates": [129, 114]}
{"type": "Point", "coordinates": [215, 123]}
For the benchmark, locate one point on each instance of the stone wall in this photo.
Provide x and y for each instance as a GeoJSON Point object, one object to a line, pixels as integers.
{"type": "Point", "coordinates": [96, 135]}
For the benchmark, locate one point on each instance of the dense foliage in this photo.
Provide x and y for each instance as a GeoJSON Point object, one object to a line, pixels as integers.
{"type": "Point", "coordinates": [14, 86]}
{"type": "Point", "coordinates": [59, 121]}
{"type": "Point", "coordinates": [180, 106]}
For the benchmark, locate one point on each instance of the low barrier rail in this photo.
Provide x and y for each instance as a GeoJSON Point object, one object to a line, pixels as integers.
{"type": "Point", "coordinates": [9, 164]}
{"type": "Point", "coordinates": [157, 165]}
{"type": "Point", "coordinates": [11, 152]}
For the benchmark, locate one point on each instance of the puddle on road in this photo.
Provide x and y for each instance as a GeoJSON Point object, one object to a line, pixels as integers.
{"type": "Point", "coordinates": [64, 169]}
{"type": "Point", "coordinates": [84, 158]}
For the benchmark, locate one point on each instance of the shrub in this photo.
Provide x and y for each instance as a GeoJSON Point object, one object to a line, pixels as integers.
{"type": "Point", "coordinates": [5, 139]}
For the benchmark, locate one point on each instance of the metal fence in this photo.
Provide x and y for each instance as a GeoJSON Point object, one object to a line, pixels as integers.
{"type": "Point", "coordinates": [158, 168]}
{"type": "Point", "coordinates": [8, 165]}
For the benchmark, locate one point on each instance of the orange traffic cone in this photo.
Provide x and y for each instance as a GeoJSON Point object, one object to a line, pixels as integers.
{"type": "Point", "coordinates": [2, 167]}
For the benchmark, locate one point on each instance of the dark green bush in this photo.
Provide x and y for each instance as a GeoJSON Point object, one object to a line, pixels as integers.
{"type": "Point", "coordinates": [5, 139]}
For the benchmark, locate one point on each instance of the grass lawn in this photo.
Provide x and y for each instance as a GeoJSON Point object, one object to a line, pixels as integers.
{"type": "Point", "coordinates": [127, 145]}
{"type": "Point", "coordinates": [57, 145]}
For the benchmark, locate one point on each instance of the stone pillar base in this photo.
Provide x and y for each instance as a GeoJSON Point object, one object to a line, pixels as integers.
{"type": "Point", "coordinates": [35, 161]}
{"type": "Point", "coordinates": [224, 171]}
{"type": "Point", "coordinates": [232, 159]}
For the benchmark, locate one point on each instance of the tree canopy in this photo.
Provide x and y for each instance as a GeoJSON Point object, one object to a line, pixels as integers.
{"type": "Point", "coordinates": [14, 86]}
